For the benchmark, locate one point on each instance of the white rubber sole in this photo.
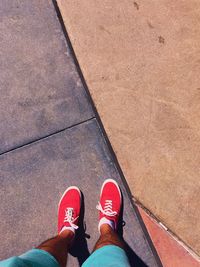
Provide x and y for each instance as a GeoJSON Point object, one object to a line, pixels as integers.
{"type": "Point", "coordinates": [69, 188]}
{"type": "Point", "coordinates": [111, 181]}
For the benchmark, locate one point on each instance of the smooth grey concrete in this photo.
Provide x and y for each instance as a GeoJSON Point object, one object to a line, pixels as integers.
{"type": "Point", "coordinates": [40, 90]}
{"type": "Point", "coordinates": [34, 177]}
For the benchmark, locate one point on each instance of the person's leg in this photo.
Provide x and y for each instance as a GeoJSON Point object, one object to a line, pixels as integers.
{"type": "Point", "coordinates": [109, 207]}
{"type": "Point", "coordinates": [68, 214]}
{"type": "Point", "coordinates": [58, 246]}
{"type": "Point", "coordinates": [53, 252]}
{"type": "Point", "coordinates": [108, 237]}
{"type": "Point", "coordinates": [109, 249]}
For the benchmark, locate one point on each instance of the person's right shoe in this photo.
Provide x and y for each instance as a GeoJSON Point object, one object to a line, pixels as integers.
{"type": "Point", "coordinates": [110, 202]}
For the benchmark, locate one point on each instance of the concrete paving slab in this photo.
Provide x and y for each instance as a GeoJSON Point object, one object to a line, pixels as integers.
{"type": "Point", "coordinates": [140, 60]}
{"type": "Point", "coordinates": [40, 90]}
{"type": "Point", "coordinates": [34, 177]}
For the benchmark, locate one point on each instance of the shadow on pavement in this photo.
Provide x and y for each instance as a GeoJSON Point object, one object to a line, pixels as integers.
{"type": "Point", "coordinates": [134, 260]}
{"type": "Point", "coordinates": [80, 247]}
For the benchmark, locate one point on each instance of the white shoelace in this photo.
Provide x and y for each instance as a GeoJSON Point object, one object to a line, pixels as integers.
{"type": "Point", "coordinates": [107, 208]}
{"type": "Point", "coordinates": [69, 218]}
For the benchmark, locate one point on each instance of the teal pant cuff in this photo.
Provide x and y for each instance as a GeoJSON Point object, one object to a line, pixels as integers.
{"type": "Point", "coordinates": [32, 258]}
{"type": "Point", "coordinates": [39, 258]}
{"type": "Point", "coordinates": [107, 256]}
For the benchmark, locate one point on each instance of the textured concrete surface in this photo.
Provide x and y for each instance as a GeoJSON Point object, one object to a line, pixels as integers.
{"type": "Point", "coordinates": [33, 179]}
{"type": "Point", "coordinates": [40, 89]}
{"type": "Point", "coordinates": [49, 138]}
{"type": "Point", "coordinates": [172, 254]}
{"type": "Point", "coordinates": [141, 61]}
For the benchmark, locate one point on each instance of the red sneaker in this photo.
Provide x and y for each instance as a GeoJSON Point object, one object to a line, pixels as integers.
{"type": "Point", "coordinates": [110, 201]}
{"type": "Point", "coordinates": [69, 208]}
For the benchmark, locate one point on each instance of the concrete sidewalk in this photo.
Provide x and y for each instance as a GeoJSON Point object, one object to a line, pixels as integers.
{"type": "Point", "coordinates": [51, 138]}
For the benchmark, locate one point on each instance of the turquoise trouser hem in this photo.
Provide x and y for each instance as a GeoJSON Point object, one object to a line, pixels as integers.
{"type": "Point", "coordinates": [32, 258]}
{"type": "Point", "coordinates": [107, 256]}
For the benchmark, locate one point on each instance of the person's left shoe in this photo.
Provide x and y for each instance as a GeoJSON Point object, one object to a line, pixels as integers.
{"type": "Point", "coordinates": [69, 209]}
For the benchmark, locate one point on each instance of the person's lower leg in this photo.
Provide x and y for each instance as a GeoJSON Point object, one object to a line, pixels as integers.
{"type": "Point", "coordinates": [108, 237]}
{"type": "Point", "coordinates": [58, 246]}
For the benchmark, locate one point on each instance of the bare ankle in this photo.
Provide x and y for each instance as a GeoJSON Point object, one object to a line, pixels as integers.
{"type": "Point", "coordinates": [67, 234]}
{"type": "Point", "coordinates": [108, 237]}
{"type": "Point", "coordinates": [106, 229]}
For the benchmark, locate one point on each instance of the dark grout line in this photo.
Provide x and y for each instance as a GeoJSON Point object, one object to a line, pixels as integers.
{"type": "Point", "coordinates": [45, 137]}
{"type": "Point", "coordinates": [114, 158]}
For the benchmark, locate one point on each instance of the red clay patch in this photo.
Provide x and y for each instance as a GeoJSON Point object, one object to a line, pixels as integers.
{"type": "Point", "coordinates": [171, 253]}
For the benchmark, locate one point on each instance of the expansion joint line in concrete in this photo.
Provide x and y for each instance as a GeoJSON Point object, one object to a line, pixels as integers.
{"type": "Point", "coordinates": [46, 136]}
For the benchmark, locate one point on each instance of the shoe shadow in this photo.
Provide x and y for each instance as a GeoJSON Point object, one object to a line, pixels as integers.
{"type": "Point", "coordinates": [79, 248]}
{"type": "Point", "coordinates": [134, 259]}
